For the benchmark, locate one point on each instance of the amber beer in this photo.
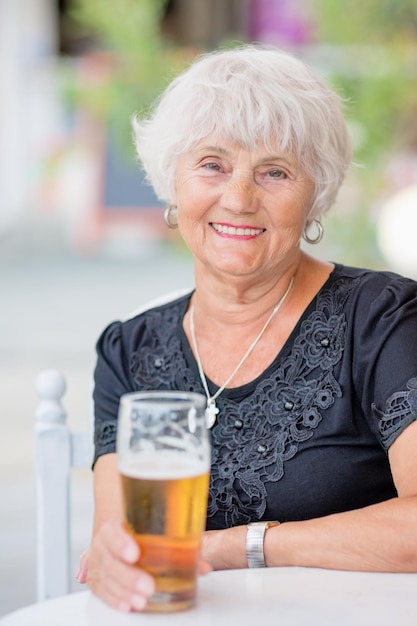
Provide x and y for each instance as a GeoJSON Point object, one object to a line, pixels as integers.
{"type": "Point", "coordinates": [165, 501]}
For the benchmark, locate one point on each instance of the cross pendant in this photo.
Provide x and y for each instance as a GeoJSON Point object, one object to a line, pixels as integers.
{"type": "Point", "coordinates": [211, 412]}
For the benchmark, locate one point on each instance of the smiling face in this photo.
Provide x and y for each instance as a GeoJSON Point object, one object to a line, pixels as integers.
{"type": "Point", "coordinates": [241, 212]}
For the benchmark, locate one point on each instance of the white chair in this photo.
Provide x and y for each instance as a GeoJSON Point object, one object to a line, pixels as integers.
{"type": "Point", "coordinates": [57, 452]}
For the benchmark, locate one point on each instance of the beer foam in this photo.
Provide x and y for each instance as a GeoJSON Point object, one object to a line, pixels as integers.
{"type": "Point", "coordinates": [164, 465]}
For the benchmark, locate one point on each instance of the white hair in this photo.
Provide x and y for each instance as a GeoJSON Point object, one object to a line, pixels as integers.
{"type": "Point", "coordinates": [251, 95]}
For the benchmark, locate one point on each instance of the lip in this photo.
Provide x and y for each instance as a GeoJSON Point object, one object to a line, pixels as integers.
{"type": "Point", "coordinates": [241, 231]}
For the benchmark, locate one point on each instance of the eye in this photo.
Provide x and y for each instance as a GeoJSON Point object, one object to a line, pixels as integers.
{"type": "Point", "coordinates": [276, 173]}
{"type": "Point", "coordinates": [212, 166]}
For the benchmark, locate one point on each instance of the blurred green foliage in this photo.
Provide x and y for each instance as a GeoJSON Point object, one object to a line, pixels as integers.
{"type": "Point", "coordinates": [377, 71]}
{"type": "Point", "coordinates": [372, 62]}
{"type": "Point", "coordinates": [367, 21]}
{"type": "Point", "coordinates": [133, 60]}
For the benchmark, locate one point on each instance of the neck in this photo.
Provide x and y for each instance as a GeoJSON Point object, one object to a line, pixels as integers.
{"type": "Point", "coordinates": [232, 318]}
{"type": "Point", "coordinates": [212, 409]}
{"type": "Point", "coordinates": [239, 300]}
{"type": "Point", "coordinates": [243, 305]}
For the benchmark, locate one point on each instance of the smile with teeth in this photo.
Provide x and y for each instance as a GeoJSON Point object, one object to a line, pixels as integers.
{"type": "Point", "coordinates": [242, 231]}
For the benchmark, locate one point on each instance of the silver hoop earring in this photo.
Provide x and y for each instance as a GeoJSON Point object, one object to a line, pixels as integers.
{"type": "Point", "coordinates": [318, 237]}
{"type": "Point", "coordinates": [171, 217]}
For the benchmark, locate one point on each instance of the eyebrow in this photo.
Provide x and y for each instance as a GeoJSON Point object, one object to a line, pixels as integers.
{"type": "Point", "coordinates": [214, 149]}
{"type": "Point", "coordinates": [266, 159]}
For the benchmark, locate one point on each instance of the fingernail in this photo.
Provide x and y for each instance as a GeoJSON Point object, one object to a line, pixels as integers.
{"type": "Point", "coordinates": [145, 585]}
{"type": "Point", "coordinates": [130, 553]}
{"type": "Point", "coordinates": [138, 602]}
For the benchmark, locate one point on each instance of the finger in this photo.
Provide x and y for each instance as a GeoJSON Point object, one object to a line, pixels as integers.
{"type": "Point", "coordinates": [113, 599]}
{"type": "Point", "coordinates": [134, 603]}
{"type": "Point", "coordinates": [126, 588]}
{"type": "Point", "coordinates": [130, 588]}
{"type": "Point", "coordinates": [124, 577]}
{"type": "Point", "coordinates": [121, 584]}
{"type": "Point", "coordinates": [204, 568]}
{"type": "Point", "coordinates": [120, 542]}
{"type": "Point", "coordinates": [81, 573]}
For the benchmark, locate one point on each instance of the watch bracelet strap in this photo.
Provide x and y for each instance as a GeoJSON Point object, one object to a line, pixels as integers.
{"type": "Point", "coordinates": [255, 538]}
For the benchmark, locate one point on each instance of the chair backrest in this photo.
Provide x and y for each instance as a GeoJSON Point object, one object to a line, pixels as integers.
{"type": "Point", "coordinates": [57, 452]}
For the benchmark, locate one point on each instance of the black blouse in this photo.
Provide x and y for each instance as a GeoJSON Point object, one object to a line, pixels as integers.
{"type": "Point", "coordinates": [307, 438]}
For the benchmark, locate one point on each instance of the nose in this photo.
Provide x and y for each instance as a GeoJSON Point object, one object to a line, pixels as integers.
{"type": "Point", "coordinates": [240, 194]}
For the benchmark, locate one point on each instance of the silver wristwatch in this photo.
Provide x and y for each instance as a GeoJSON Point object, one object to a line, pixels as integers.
{"type": "Point", "coordinates": [255, 542]}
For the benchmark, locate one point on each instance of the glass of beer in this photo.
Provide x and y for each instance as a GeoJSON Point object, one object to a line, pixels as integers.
{"type": "Point", "coordinates": [164, 461]}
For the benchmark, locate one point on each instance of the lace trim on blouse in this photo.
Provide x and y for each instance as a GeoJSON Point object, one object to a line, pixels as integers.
{"type": "Point", "coordinates": [399, 408]}
{"type": "Point", "coordinates": [105, 435]}
{"type": "Point", "coordinates": [249, 452]}
{"type": "Point", "coordinates": [254, 437]}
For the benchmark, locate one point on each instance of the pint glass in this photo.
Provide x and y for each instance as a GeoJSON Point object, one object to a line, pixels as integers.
{"type": "Point", "coordinates": [164, 462]}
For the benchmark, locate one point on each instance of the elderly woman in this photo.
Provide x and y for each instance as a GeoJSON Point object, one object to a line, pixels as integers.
{"type": "Point", "coordinates": [309, 367]}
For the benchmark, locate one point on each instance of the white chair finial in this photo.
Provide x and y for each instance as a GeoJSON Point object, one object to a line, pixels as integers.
{"type": "Point", "coordinates": [50, 386]}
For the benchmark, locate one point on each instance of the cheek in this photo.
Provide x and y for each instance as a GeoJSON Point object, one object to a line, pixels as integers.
{"type": "Point", "coordinates": [189, 220]}
{"type": "Point", "coordinates": [291, 206]}
{"type": "Point", "coordinates": [302, 203]}
{"type": "Point", "coordinates": [308, 197]}
{"type": "Point", "coordinates": [189, 199]}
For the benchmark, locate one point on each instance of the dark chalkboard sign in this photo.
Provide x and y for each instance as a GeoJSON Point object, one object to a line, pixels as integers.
{"type": "Point", "coordinates": [124, 184]}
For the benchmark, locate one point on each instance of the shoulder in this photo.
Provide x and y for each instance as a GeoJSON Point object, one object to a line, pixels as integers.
{"type": "Point", "coordinates": [364, 276]}
{"type": "Point", "coordinates": [380, 309]}
{"type": "Point", "coordinates": [168, 300]}
{"type": "Point", "coordinates": [374, 290]}
{"type": "Point", "coordinates": [129, 329]}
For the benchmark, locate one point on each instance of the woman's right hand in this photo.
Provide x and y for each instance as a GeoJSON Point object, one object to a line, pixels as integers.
{"type": "Point", "coordinates": [111, 572]}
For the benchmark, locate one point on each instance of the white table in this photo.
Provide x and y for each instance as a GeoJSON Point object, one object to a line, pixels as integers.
{"type": "Point", "coordinates": [282, 596]}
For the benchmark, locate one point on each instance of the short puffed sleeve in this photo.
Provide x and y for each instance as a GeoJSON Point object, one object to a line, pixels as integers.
{"type": "Point", "coordinates": [129, 358]}
{"type": "Point", "coordinates": [111, 381]}
{"type": "Point", "coordinates": [385, 363]}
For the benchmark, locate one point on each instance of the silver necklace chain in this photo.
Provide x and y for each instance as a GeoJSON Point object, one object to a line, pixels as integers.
{"type": "Point", "coordinates": [212, 409]}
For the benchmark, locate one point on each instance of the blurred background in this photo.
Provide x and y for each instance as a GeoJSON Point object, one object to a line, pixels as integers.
{"type": "Point", "coordinates": [82, 239]}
